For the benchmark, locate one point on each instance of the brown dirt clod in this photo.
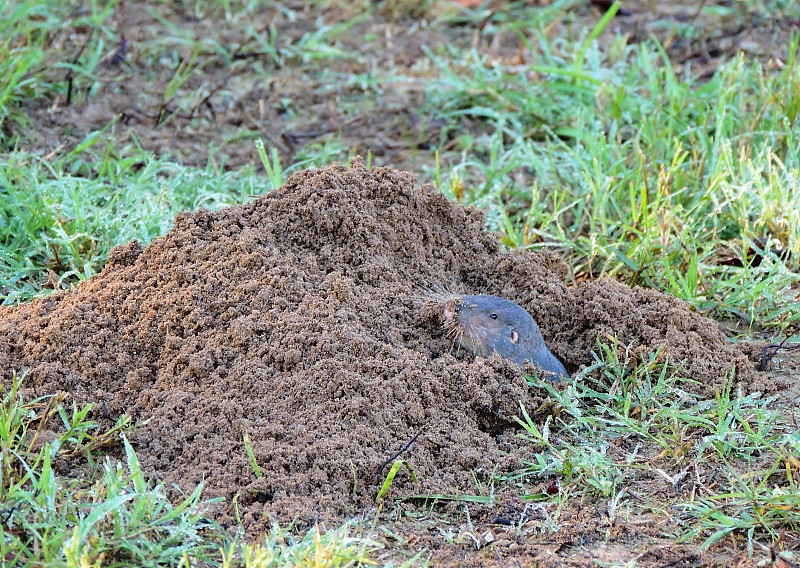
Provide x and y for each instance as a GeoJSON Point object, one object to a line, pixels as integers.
{"type": "Point", "coordinates": [296, 319]}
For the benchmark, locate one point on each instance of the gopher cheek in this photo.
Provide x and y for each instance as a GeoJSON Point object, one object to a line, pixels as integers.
{"type": "Point", "coordinates": [481, 344]}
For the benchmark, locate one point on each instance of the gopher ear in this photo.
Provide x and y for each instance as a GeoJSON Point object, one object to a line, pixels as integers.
{"type": "Point", "coordinates": [514, 337]}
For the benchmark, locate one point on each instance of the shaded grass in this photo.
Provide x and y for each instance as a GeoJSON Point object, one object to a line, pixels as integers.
{"type": "Point", "coordinates": [47, 47]}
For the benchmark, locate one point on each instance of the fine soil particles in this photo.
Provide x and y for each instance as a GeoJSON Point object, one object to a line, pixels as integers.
{"type": "Point", "coordinates": [298, 320]}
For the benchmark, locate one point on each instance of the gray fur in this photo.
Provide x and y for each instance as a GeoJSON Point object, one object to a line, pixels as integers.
{"type": "Point", "coordinates": [488, 324]}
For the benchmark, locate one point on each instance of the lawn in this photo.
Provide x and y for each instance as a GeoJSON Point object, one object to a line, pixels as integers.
{"type": "Point", "coordinates": [654, 144]}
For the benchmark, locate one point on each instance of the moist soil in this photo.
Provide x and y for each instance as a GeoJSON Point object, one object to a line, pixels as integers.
{"type": "Point", "coordinates": [299, 320]}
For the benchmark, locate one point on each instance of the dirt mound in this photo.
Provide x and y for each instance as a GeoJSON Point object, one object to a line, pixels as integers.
{"type": "Point", "coordinates": [295, 319]}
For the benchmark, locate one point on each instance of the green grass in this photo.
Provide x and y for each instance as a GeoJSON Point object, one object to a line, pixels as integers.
{"type": "Point", "coordinates": [647, 408]}
{"type": "Point", "coordinates": [634, 172]}
{"type": "Point", "coordinates": [31, 67]}
{"type": "Point", "coordinates": [629, 166]}
{"type": "Point", "coordinates": [313, 550]}
{"type": "Point", "coordinates": [109, 514]}
{"type": "Point", "coordinates": [57, 228]}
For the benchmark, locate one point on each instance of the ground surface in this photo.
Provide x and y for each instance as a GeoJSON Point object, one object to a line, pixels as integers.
{"type": "Point", "coordinates": [328, 78]}
{"type": "Point", "coordinates": [297, 320]}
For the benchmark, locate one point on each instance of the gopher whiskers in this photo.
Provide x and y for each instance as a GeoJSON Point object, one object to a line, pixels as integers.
{"type": "Point", "coordinates": [454, 333]}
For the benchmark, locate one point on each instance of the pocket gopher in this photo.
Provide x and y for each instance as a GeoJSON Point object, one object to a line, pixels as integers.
{"type": "Point", "coordinates": [484, 324]}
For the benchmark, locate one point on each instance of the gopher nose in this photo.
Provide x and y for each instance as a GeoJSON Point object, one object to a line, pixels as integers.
{"type": "Point", "coordinates": [449, 312]}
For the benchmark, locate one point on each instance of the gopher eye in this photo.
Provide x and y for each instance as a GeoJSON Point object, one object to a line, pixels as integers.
{"type": "Point", "coordinates": [493, 316]}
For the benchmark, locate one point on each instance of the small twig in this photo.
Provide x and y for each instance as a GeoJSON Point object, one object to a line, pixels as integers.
{"type": "Point", "coordinates": [11, 510]}
{"type": "Point", "coordinates": [118, 55]}
{"type": "Point", "coordinates": [49, 409]}
{"type": "Point", "coordinates": [74, 61]}
{"type": "Point", "coordinates": [694, 17]}
{"type": "Point", "coordinates": [392, 458]}
{"type": "Point", "coordinates": [498, 558]}
{"type": "Point", "coordinates": [476, 38]}
{"type": "Point", "coordinates": [295, 136]}
{"type": "Point", "coordinates": [765, 359]}
{"type": "Point", "coordinates": [206, 102]}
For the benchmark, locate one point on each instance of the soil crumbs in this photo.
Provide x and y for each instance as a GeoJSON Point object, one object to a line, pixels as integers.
{"type": "Point", "coordinates": [296, 320]}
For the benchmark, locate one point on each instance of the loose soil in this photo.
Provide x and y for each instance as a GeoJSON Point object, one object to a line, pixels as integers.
{"type": "Point", "coordinates": [297, 319]}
